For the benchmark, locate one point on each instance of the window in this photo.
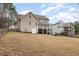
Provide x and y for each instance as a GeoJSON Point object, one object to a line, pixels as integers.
{"type": "Point", "coordinates": [29, 22]}
{"type": "Point", "coordinates": [45, 21]}
{"type": "Point", "coordinates": [36, 23]}
{"type": "Point", "coordinates": [29, 15]}
{"type": "Point", "coordinates": [19, 19]}
{"type": "Point", "coordinates": [59, 26]}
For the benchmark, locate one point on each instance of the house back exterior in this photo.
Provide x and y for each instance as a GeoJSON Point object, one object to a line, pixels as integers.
{"type": "Point", "coordinates": [40, 24]}
{"type": "Point", "coordinates": [57, 28]}
{"type": "Point", "coordinates": [61, 28]}
{"type": "Point", "coordinates": [34, 23]}
{"type": "Point", "coordinates": [69, 29]}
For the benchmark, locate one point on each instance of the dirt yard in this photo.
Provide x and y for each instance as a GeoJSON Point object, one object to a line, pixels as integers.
{"type": "Point", "coordinates": [24, 44]}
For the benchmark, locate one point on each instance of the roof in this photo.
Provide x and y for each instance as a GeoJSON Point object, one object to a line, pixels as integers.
{"type": "Point", "coordinates": [38, 17]}
{"type": "Point", "coordinates": [19, 15]}
{"type": "Point", "coordinates": [41, 17]}
{"type": "Point", "coordinates": [68, 25]}
{"type": "Point", "coordinates": [60, 22]}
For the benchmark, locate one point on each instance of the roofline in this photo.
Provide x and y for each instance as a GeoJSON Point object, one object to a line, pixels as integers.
{"type": "Point", "coordinates": [32, 14]}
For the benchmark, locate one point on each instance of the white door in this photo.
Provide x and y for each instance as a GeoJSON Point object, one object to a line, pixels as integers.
{"type": "Point", "coordinates": [33, 30]}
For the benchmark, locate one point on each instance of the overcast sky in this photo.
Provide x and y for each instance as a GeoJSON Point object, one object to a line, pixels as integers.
{"type": "Point", "coordinates": [54, 11]}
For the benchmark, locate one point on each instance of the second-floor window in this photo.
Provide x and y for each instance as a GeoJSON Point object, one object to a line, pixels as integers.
{"type": "Point", "coordinates": [29, 22]}
{"type": "Point", "coordinates": [29, 15]}
{"type": "Point", "coordinates": [19, 19]}
{"type": "Point", "coordinates": [36, 23]}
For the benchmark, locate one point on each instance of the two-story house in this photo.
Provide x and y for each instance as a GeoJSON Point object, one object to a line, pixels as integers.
{"type": "Point", "coordinates": [34, 23]}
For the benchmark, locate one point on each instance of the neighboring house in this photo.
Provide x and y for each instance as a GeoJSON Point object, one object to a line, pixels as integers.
{"type": "Point", "coordinates": [57, 28]}
{"type": "Point", "coordinates": [76, 25]}
{"type": "Point", "coordinates": [61, 28]}
{"type": "Point", "coordinates": [69, 29]}
{"type": "Point", "coordinates": [34, 23]}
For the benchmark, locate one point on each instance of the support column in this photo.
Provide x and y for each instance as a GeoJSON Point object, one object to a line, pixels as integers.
{"type": "Point", "coordinates": [42, 31]}
{"type": "Point", "coordinates": [46, 31]}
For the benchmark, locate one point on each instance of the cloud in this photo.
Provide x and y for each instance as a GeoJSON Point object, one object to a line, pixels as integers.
{"type": "Point", "coordinates": [48, 10]}
{"type": "Point", "coordinates": [64, 16]}
{"type": "Point", "coordinates": [74, 12]}
{"type": "Point", "coordinates": [51, 8]}
{"type": "Point", "coordinates": [71, 9]}
{"type": "Point", "coordinates": [59, 4]}
{"type": "Point", "coordinates": [70, 14]}
{"type": "Point", "coordinates": [43, 5]}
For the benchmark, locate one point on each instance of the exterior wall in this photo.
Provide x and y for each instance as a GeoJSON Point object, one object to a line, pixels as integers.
{"type": "Point", "coordinates": [56, 29]}
{"type": "Point", "coordinates": [66, 29]}
{"type": "Point", "coordinates": [28, 22]}
{"type": "Point", "coordinates": [71, 31]}
{"type": "Point", "coordinates": [44, 25]}
{"type": "Point", "coordinates": [43, 21]}
{"type": "Point", "coordinates": [18, 24]}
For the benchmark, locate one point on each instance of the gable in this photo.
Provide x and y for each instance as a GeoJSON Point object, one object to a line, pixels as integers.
{"type": "Point", "coordinates": [30, 15]}
{"type": "Point", "coordinates": [37, 17]}
{"type": "Point", "coordinates": [41, 17]}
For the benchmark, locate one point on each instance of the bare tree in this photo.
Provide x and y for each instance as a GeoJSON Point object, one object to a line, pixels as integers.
{"type": "Point", "coordinates": [7, 15]}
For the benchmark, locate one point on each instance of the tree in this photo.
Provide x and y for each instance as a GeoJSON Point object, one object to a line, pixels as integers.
{"type": "Point", "coordinates": [76, 25]}
{"type": "Point", "coordinates": [8, 15]}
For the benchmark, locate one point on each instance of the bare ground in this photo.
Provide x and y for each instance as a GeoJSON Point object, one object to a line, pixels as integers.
{"type": "Point", "coordinates": [24, 44]}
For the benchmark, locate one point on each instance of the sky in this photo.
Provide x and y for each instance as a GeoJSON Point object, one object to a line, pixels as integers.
{"type": "Point", "coordinates": [67, 12]}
